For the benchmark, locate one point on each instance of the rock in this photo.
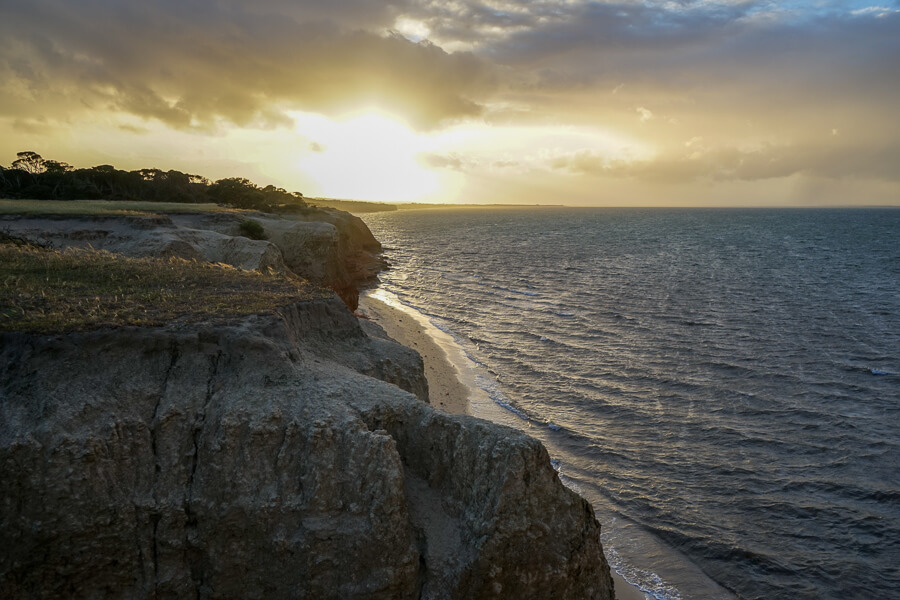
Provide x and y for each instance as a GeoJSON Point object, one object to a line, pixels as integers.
{"type": "Point", "coordinates": [310, 249]}
{"type": "Point", "coordinates": [327, 247]}
{"type": "Point", "coordinates": [344, 257]}
{"type": "Point", "coordinates": [333, 332]}
{"type": "Point", "coordinates": [148, 237]}
{"type": "Point", "coordinates": [269, 458]}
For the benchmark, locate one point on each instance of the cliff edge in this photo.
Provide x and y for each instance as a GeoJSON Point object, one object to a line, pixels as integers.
{"type": "Point", "coordinates": [327, 247]}
{"type": "Point", "coordinates": [283, 456]}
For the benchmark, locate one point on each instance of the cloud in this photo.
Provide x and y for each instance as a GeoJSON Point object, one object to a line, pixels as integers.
{"type": "Point", "coordinates": [759, 87]}
{"type": "Point", "coordinates": [505, 164]}
{"type": "Point", "coordinates": [878, 11]}
{"type": "Point", "coordinates": [696, 52]}
{"type": "Point", "coordinates": [735, 164]}
{"type": "Point", "coordinates": [456, 161]}
{"type": "Point", "coordinates": [737, 74]}
{"type": "Point", "coordinates": [443, 161]}
{"type": "Point", "coordinates": [190, 65]}
{"type": "Point", "coordinates": [480, 24]}
{"type": "Point", "coordinates": [646, 115]}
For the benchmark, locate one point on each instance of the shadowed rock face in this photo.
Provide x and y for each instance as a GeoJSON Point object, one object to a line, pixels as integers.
{"type": "Point", "coordinates": [337, 251]}
{"type": "Point", "coordinates": [269, 458]}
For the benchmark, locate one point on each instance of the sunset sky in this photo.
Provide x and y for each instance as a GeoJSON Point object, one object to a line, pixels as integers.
{"type": "Point", "coordinates": [659, 102]}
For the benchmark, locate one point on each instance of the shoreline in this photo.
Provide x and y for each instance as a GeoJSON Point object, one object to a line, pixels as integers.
{"type": "Point", "coordinates": [445, 389]}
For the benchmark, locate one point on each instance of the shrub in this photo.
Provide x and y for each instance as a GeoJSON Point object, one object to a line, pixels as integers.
{"type": "Point", "coordinates": [253, 230]}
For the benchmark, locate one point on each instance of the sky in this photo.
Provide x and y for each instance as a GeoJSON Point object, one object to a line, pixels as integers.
{"type": "Point", "coordinates": [627, 103]}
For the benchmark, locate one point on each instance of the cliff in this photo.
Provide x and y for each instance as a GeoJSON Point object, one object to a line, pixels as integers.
{"type": "Point", "coordinates": [288, 453]}
{"type": "Point", "coordinates": [283, 456]}
{"type": "Point", "coordinates": [328, 247]}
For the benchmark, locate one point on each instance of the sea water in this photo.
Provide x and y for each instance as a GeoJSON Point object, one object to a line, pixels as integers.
{"type": "Point", "coordinates": [723, 385]}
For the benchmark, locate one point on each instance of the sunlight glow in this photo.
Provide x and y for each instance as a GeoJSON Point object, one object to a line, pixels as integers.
{"type": "Point", "coordinates": [536, 145]}
{"type": "Point", "coordinates": [367, 157]}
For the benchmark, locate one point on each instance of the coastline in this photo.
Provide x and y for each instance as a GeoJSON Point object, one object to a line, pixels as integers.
{"type": "Point", "coordinates": [260, 408]}
{"type": "Point", "coordinates": [446, 391]}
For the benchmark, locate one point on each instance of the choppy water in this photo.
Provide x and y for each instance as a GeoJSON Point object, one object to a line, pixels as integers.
{"type": "Point", "coordinates": [724, 385]}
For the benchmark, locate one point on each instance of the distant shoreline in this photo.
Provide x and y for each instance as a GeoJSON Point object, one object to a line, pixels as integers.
{"type": "Point", "coordinates": [363, 206]}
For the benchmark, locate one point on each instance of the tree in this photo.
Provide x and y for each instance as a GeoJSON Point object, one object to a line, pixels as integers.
{"type": "Point", "coordinates": [150, 174]}
{"type": "Point", "coordinates": [30, 162]}
{"type": "Point", "coordinates": [32, 176]}
{"type": "Point", "coordinates": [238, 192]}
{"type": "Point", "coordinates": [53, 167]}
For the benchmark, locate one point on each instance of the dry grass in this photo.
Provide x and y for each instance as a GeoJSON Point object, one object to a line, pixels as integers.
{"type": "Point", "coordinates": [47, 291]}
{"type": "Point", "coordinates": [103, 208]}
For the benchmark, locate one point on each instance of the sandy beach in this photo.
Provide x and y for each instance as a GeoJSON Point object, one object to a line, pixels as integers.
{"type": "Point", "coordinates": [446, 391]}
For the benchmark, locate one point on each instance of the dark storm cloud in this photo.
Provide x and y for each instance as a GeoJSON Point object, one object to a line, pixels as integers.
{"type": "Point", "coordinates": [188, 63]}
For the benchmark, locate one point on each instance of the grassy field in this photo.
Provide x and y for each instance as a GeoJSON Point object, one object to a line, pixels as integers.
{"type": "Point", "coordinates": [47, 291]}
{"type": "Point", "coordinates": [103, 207]}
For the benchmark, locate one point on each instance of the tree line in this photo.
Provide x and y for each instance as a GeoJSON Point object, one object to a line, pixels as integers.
{"type": "Point", "coordinates": [31, 176]}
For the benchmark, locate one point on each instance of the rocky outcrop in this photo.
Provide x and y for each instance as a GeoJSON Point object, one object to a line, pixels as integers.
{"type": "Point", "coordinates": [277, 457]}
{"type": "Point", "coordinates": [328, 247]}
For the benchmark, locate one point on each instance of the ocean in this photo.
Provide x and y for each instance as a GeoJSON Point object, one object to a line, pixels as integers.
{"type": "Point", "coordinates": [722, 384]}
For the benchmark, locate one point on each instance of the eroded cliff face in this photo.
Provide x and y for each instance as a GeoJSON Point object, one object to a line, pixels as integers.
{"type": "Point", "coordinates": [331, 248]}
{"type": "Point", "coordinates": [273, 457]}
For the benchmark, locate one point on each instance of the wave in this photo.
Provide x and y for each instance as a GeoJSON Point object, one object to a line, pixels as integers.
{"type": "Point", "coordinates": [740, 396]}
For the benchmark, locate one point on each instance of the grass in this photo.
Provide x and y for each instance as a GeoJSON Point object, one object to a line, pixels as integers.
{"type": "Point", "coordinates": [48, 291]}
{"type": "Point", "coordinates": [103, 207]}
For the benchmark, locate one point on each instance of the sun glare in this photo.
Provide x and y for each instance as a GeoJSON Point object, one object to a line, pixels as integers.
{"type": "Point", "coordinates": [367, 157]}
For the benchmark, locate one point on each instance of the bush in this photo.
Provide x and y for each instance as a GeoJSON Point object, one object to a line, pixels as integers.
{"type": "Point", "coordinates": [253, 230]}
